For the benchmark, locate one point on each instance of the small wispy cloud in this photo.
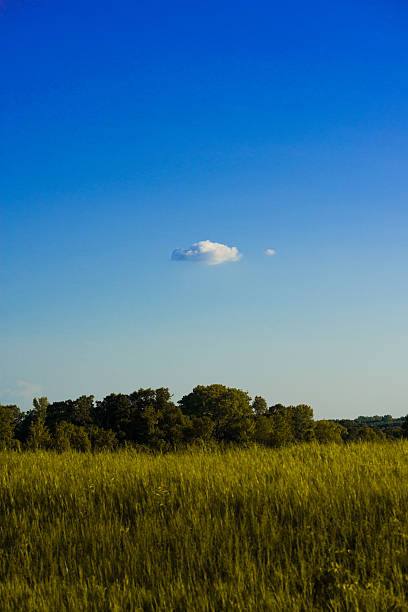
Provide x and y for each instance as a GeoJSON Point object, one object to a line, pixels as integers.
{"type": "Point", "coordinates": [207, 252]}
{"type": "Point", "coordinates": [27, 390]}
{"type": "Point", "coordinates": [20, 391]}
{"type": "Point", "coordinates": [269, 252]}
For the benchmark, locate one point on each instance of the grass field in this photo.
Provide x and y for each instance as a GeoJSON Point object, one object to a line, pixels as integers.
{"type": "Point", "coordinates": [303, 528]}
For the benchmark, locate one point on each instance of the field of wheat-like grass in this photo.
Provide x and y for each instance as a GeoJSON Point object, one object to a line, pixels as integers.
{"type": "Point", "coordinates": [303, 528]}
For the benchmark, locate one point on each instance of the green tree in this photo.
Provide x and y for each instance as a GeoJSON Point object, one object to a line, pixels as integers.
{"type": "Point", "coordinates": [327, 431]}
{"type": "Point", "coordinates": [263, 432]}
{"type": "Point", "coordinates": [146, 406]}
{"type": "Point", "coordinates": [38, 434]}
{"type": "Point", "coordinates": [365, 433]}
{"type": "Point", "coordinates": [69, 436]}
{"type": "Point", "coordinates": [173, 426]}
{"type": "Point", "coordinates": [102, 439]}
{"type": "Point", "coordinates": [281, 427]}
{"type": "Point", "coordinates": [115, 412]}
{"type": "Point", "coordinates": [302, 422]}
{"type": "Point", "coordinates": [9, 419]}
{"type": "Point", "coordinates": [229, 408]}
{"type": "Point", "coordinates": [259, 405]}
{"type": "Point", "coordinates": [78, 412]}
{"type": "Point", "coordinates": [156, 421]}
{"type": "Point", "coordinates": [199, 430]}
{"type": "Point", "coordinates": [291, 424]}
{"type": "Point", "coordinates": [404, 427]}
{"type": "Point", "coordinates": [147, 417]}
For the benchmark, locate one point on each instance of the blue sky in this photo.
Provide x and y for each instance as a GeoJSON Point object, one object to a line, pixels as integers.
{"type": "Point", "coordinates": [131, 129]}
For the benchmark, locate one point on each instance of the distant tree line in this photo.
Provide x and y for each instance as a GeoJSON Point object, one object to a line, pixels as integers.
{"type": "Point", "coordinates": [149, 419]}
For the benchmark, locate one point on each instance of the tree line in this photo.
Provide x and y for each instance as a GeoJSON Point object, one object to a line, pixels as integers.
{"type": "Point", "coordinates": [149, 419]}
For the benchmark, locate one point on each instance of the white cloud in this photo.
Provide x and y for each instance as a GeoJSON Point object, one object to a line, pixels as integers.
{"type": "Point", "coordinates": [269, 251]}
{"type": "Point", "coordinates": [27, 390]}
{"type": "Point", "coordinates": [22, 389]}
{"type": "Point", "coordinates": [207, 252]}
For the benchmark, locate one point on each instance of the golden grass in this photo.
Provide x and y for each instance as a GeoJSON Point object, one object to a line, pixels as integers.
{"type": "Point", "coordinates": [303, 528]}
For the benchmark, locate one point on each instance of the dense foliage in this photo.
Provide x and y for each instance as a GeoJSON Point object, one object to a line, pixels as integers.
{"type": "Point", "coordinates": [149, 419]}
{"type": "Point", "coordinates": [308, 527]}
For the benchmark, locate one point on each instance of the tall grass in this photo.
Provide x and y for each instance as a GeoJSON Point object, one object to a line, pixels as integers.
{"type": "Point", "coordinates": [303, 528]}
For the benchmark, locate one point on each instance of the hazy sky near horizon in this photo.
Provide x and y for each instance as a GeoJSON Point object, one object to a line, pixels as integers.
{"type": "Point", "coordinates": [131, 129]}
